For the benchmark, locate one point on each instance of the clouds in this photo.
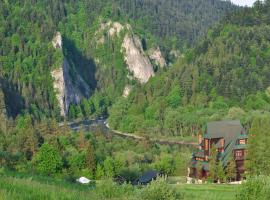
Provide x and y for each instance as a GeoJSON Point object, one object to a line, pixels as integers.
{"type": "Point", "coordinates": [243, 2]}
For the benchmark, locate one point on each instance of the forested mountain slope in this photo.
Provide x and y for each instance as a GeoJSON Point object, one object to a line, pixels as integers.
{"type": "Point", "coordinates": [224, 76]}
{"type": "Point", "coordinates": [178, 22]}
{"type": "Point", "coordinates": [28, 57]}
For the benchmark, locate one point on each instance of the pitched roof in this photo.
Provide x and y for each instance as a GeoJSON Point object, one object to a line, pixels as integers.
{"type": "Point", "coordinates": [148, 176]}
{"type": "Point", "coordinates": [229, 130]}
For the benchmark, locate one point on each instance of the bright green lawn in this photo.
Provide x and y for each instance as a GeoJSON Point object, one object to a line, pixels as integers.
{"type": "Point", "coordinates": [208, 191]}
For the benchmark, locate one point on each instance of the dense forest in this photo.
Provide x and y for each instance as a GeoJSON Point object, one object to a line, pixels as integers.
{"type": "Point", "coordinates": [27, 55]}
{"type": "Point", "coordinates": [221, 72]}
{"type": "Point", "coordinates": [225, 76]}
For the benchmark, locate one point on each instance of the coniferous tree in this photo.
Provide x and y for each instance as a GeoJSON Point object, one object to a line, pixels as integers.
{"type": "Point", "coordinates": [90, 158]}
{"type": "Point", "coordinates": [220, 172]}
{"type": "Point", "coordinates": [213, 164]}
{"type": "Point", "coordinates": [231, 169]}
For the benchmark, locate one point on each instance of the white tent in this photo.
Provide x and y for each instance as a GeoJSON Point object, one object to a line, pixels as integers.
{"type": "Point", "coordinates": [83, 180]}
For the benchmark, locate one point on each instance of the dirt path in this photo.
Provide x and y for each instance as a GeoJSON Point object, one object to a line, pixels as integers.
{"type": "Point", "coordinates": [159, 141]}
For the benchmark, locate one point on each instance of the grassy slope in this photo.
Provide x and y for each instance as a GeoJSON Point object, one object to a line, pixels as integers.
{"type": "Point", "coordinates": [35, 188]}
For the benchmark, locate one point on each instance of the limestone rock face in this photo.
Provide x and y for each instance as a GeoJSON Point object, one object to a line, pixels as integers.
{"type": "Point", "coordinates": [68, 90]}
{"type": "Point", "coordinates": [112, 29]}
{"type": "Point", "coordinates": [127, 91]}
{"type": "Point", "coordinates": [137, 62]}
{"type": "Point", "coordinates": [156, 56]}
{"type": "Point", "coordinates": [57, 41]}
{"type": "Point", "coordinates": [115, 29]}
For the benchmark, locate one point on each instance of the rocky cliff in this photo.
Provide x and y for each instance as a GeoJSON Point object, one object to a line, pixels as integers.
{"type": "Point", "coordinates": [156, 55]}
{"type": "Point", "coordinates": [137, 61]}
{"type": "Point", "coordinates": [68, 89]}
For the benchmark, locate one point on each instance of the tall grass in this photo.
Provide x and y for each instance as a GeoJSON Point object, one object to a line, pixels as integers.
{"type": "Point", "coordinates": [23, 187]}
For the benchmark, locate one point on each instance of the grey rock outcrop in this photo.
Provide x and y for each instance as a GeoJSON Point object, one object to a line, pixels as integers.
{"type": "Point", "coordinates": [156, 56]}
{"type": "Point", "coordinates": [137, 62]}
{"type": "Point", "coordinates": [67, 90]}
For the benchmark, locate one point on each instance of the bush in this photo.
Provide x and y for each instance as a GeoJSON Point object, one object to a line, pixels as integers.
{"type": "Point", "coordinates": [48, 160]}
{"type": "Point", "coordinates": [110, 190]}
{"type": "Point", "coordinates": [256, 188]}
{"type": "Point", "coordinates": [160, 190]}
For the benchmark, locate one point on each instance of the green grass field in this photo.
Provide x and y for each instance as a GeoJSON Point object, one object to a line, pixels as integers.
{"type": "Point", "coordinates": [42, 188]}
{"type": "Point", "coordinates": [208, 191]}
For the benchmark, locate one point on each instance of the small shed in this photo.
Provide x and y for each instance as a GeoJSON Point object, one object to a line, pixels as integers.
{"type": "Point", "coordinates": [147, 177]}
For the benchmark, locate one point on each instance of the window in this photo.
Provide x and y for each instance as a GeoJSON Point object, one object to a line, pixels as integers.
{"type": "Point", "coordinates": [199, 159]}
{"type": "Point", "coordinates": [238, 153]}
{"type": "Point", "coordinates": [242, 141]}
{"type": "Point", "coordinates": [206, 144]}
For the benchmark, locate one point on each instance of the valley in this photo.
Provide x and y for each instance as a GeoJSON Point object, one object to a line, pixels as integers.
{"type": "Point", "coordinates": [147, 99]}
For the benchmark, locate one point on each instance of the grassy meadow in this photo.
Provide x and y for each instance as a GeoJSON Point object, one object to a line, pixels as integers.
{"type": "Point", "coordinates": [44, 188]}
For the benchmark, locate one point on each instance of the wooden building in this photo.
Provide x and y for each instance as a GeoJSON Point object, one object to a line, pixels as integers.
{"type": "Point", "coordinates": [229, 138]}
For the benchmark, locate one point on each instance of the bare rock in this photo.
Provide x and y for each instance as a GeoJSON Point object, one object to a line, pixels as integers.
{"type": "Point", "coordinates": [115, 29]}
{"type": "Point", "coordinates": [127, 91]}
{"type": "Point", "coordinates": [138, 63]}
{"type": "Point", "coordinates": [156, 56]}
{"type": "Point", "coordinates": [57, 41]}
{"type": "Point", "coordinates": [68, 91]}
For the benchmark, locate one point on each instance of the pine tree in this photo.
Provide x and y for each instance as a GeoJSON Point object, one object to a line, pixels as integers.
{"type": "Point", "coordinates": [231, 169]}
{"type": "Point", "coordinates": [213, 164]}
{"type": "Point", "coordinates": [90, 158]}
{"type": "Point", "coordinates": [81, 143]}
{"type": "Point", "coordinates": [220, 172]}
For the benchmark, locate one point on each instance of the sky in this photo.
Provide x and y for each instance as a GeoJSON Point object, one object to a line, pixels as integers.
{"type": "Point", "coordinates": [243, 2]}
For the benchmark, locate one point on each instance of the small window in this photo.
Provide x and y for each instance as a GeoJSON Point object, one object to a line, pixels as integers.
{"type": "Point", "coordinates": [242, 141]}
{"type": "Point", "coordinates": [206, 144]}
{"type": "Point", "coordinates": [238, 153]}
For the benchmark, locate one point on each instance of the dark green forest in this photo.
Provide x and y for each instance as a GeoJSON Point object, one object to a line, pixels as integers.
{"type": "Point", "coordinates": [27, 56]}
{"type": "Point", "coordinates": [225, 76]}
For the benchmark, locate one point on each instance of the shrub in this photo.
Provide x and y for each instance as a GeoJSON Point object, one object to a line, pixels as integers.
{"type": "Point", "coordinates": [48, 160]}
{"type": "Point", "coordinates": [110, 190]}
{"type": "Point", "coordinates": [256, 188]}
{"type": "Point", "coordinates": [160, 190]}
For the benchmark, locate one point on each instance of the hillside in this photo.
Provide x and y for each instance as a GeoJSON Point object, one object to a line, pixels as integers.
{"type": "Point", "coordinates": [30, 64]}
{"type": "Point", "coordinates": [225, 76]}
{"type": "Point", "coordinates": [35, 187]}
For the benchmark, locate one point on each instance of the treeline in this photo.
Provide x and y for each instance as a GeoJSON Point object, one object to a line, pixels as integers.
{"type": "Point", "coordinates": [225, 76]}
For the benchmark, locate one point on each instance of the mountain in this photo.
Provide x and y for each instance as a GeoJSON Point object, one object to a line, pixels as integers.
{"type": "Point", "coordinates": [225, 76]}
{"type": "Point", "coordinates": [89, 64]}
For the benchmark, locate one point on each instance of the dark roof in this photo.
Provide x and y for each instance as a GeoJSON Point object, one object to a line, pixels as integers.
{"type": "Point", "coordinates": [148, 176]}
{"type": "Point", "coordinates": [229, 130]}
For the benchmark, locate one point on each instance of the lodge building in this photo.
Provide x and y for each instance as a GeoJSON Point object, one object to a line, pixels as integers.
{"type": "Point", "coordinates": [229, 138]}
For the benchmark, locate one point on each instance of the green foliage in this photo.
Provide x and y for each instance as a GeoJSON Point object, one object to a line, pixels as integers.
{"type": "Point", "coordinates": [214, 164]}
{"type": "Point", "coordinates": [221, 172]}
{"type": "Point", "coordinates": [48, 160]}
{"type": "Point", "coordinates": [166, 164]}
{"type": "Point", "coordinates": [258, 151]}
{"type": "Point", "coordinates": [208, 82]}
{"type": "Point", "coordinates": [231, 169]}
{"type": "Point", "coordinates": [109, 169]}
{"type": "Point", "coordinates": [255, 188]}
{"type": "Point", "coordinates": [160, 190]}
{"type": "Point", "coordinates": [90, 158]}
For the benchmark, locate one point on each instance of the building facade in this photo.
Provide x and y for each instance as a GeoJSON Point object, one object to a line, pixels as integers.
{"type": "Point", "coordinates": [229, 139]}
